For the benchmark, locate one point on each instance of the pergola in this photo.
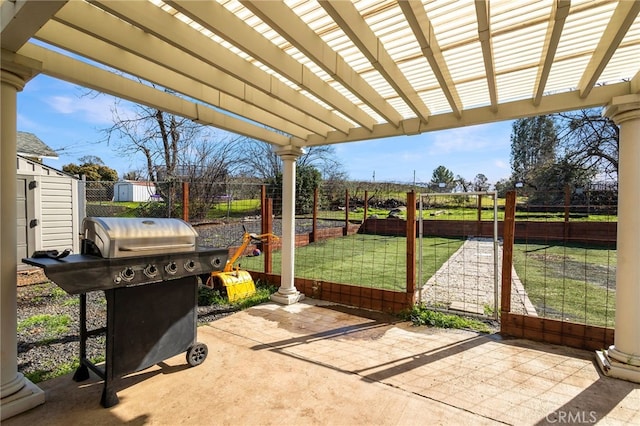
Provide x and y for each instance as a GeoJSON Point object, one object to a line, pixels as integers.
{"type": "Point", "coordinates": [302, 73]}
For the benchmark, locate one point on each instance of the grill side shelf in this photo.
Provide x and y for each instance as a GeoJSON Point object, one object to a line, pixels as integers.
{"type": "Point", "coordinates": [80, 273]}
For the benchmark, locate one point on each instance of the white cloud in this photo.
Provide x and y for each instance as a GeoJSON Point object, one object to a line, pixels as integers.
{"type": "Point", "coordinates": [27, 124]}
{"type": "Point", "coordinates": [96, 110]}
{"type": "Point", "coordinates": [470, 139]}
{"type": "Point", "coordinates": [501, 164]}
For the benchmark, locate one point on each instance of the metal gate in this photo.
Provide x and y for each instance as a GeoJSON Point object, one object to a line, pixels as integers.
{"type": "Point", "coordinates": [461, 231]}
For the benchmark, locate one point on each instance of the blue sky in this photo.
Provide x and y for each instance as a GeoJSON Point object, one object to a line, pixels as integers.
{"type": "Point", "coordinates": [70, 123]}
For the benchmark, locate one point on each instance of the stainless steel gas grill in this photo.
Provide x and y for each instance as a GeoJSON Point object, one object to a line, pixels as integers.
{"type": "Point", "coordinates": [148, 270]}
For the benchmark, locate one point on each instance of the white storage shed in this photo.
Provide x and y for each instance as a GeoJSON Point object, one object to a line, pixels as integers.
{"type": "Point", "coordinates": [134, 191]}
{"type": "Point", "coordinates": [49, 211]}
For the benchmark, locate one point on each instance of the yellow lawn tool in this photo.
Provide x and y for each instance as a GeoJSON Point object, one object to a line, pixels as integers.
{"type": "Point", "coordinates": [238, 283]}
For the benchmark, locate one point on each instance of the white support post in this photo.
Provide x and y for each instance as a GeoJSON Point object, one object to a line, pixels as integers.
{"type": "Point", "coordinates": [622, 360]}
{"type": "Point", "coordinates": [287, 294]}
{"type": "Point", "coordinates": [17, 394]}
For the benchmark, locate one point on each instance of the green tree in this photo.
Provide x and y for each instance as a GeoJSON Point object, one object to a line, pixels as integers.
{"type": "Point", "coordinates": [533, 148]}
{"type": "Point", "coordinates": [480, 183]}
{"type": "Point", "coordinates": [98, 186]}
{"type": "Point", "coordinates": [308, 178]}
{"type": "Point", "coordinates": [132, 175]}
{"type": "Point", "coordinates": [93, 169]}
{"type": "Point", "coordinates": [502, 186]}
{"type": "Point", "coordinates": [544, 162]}
{"type": "Point", "coordinates": [442, 179]}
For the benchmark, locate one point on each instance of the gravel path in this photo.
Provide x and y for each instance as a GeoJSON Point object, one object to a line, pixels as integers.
{"type": "Point", "coordinates": [466, 283]}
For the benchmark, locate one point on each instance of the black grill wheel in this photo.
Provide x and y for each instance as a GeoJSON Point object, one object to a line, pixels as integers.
{"type": "Point", "coordinates": [196, 354]}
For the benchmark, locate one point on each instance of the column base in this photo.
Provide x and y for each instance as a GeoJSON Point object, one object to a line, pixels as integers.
{"type": "Point", "coordinates": [287, 299]}
{"type": "Point", "coordinates": [614, 368]}
{"type": "Point", "coordinates": [28, 397]}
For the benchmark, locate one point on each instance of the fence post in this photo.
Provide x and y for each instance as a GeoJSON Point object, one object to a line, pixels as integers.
{"type": "Point", "coordinates": [264, 226]}
{"type": "Point", "coordinates": [268, 229]}
{"type": "Point", "coordinates": [411, 247]}
{"type": "Point", "coordinates": [507, 250]}
{"type": "Point", "coordinates": [185, 201]}
{"type": "Point", "coordinates": [314, 222]}
{"type": "Point", "coordinates": [366, 205]}
{"type": "Point", "coordinates": [346, 212]}
{"type": "Point", "coordinates": [567, 201]}
{"type": "Point", "coordinates": [479, 223]}
{"type": "Point", "coordinates": [263, 206]}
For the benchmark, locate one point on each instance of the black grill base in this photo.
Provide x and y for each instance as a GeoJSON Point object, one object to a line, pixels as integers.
{"type": "Point", "coordinates": [145, 325]}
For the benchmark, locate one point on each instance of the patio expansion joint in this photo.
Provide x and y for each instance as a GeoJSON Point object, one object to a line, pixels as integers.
{"type": "Point", "coordinates": [437, 400]}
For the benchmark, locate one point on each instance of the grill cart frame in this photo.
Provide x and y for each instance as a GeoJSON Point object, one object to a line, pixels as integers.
{"type": "Point", "coordinates": [148, 269]}
{"type": "Point", "coordinates": [146, 322]}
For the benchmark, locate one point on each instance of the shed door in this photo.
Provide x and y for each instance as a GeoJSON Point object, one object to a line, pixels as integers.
{"type": "Point", "coordinates": [123, 193]}
{"type": "Point", "coordinates": [23, 219]}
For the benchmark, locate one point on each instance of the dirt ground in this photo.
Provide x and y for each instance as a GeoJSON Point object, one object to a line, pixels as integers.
{"type": "Point", "coordinates": [31, 276]}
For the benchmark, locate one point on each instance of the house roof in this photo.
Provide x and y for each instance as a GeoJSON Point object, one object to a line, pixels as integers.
{"type": "Point", "coordinates": [29, 145]}
{"type": "Point", "coordinates": [307, 72]}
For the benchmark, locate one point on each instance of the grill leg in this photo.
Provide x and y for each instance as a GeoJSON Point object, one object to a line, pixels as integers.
{"type": "Point", "coordinates": [109, 397]}
{"type": "Point", "coordinates": [82, 372]}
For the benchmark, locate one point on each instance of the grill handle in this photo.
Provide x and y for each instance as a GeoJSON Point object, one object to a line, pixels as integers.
{"type": "Point", "coordinates": [162, 247]}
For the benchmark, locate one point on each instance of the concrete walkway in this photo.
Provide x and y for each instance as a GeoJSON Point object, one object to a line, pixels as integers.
{"type": "Point", "coordinates": [314, 363]}
{"type": "Point", "coordinates": [466, 282]}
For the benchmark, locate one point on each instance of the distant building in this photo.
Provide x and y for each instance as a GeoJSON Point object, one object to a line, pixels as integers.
{"type": "Point", "coordinates": [135, 191]}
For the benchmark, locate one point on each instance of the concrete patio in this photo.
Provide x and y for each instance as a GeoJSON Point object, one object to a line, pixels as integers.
{"type": "Point", "coordinates": [319, 363]}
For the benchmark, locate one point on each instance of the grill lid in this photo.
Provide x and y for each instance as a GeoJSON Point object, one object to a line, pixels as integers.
{"type": "Point", "coordinates": [116, 237]}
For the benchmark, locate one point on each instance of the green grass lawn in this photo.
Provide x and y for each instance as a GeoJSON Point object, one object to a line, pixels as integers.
{"type": "Point", "coordinates": [234, 208]}
{"type": "Point", "coordinates": [364, 260]}
{"type": "Point", "coordinates": [445, 210]}
{"type": "Point", "coordinates": [576, 283]}
{"type": "Point", "coordinates": [569, 282]}
{"type": "Point", "coordinates": [468, 213]}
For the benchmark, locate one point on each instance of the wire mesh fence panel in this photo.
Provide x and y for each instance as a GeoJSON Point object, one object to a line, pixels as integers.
{"type": "Point", "coordinates": [334, 245]}
{"type": "Point", "coordinates": [459, 253]}
{"type": "Point", "coordinates": [565, 253]}
{"type": "Point", "coordinates": [224, 201]}
{"type": "Point", "coordinates": [223, 213]}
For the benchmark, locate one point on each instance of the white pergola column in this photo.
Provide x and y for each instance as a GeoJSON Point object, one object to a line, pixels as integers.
{"type": "Point", "coordinates": [622, 360]}
{"type": "Point", "coordinates": [17, 393]}
{"type": "Point", "coordinates": [287, 294]}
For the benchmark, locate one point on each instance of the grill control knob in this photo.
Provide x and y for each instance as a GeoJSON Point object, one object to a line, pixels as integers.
{"type": "Point", "coordinates": [190, 265]}
{"type": "Point", "coordinates": [127, 274]}
{"type": "Point", "coordinates": [216, 262]}
{"type": "Point", "coordinates": [171, 268]}
{"type": "Point", "coordinates": [151, 271]}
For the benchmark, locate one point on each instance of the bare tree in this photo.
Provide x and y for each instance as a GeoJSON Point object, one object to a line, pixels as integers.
{"type": "Point", "coordinates": [174, 148]}
{"type": "Point", "coordinates": [589, 140]}
{"type": "Point", "coordinates": [260, 159]}
{"type": "Point", "coordinates": [462, 184]}
{"type": "Point", "coordinates": [157, 135]}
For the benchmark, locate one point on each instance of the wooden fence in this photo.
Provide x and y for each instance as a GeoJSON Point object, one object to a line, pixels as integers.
{"type": "Point", "coordinates": [533, 328]}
